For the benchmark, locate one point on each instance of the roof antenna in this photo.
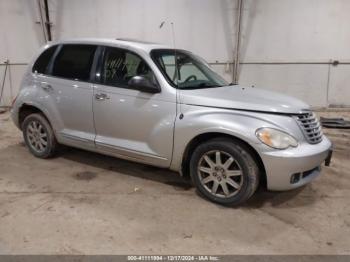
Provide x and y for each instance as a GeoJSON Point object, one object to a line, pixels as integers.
{"type": "Point", "coordinates": [177, 73]}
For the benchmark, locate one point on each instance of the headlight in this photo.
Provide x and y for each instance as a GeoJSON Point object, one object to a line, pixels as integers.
{"type": "Point", "coordinates": [275, 138]}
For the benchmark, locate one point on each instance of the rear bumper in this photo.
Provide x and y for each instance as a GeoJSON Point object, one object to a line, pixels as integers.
{"type": "Point", "coordinates": [14, 116]}
{"type": "Point", "coordinates": [295, 167]}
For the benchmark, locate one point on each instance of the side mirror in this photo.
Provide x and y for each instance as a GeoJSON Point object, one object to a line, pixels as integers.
{"type": "Point", "coordinates": [143, 84]}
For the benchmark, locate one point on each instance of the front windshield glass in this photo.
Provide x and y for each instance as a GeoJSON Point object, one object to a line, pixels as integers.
{"type": "Point", "coordinates": [188, 71]}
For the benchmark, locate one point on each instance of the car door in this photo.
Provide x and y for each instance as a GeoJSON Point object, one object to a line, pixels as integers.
{"type": "Point", "coordinates": [129, 123]}
{"type": "Point", "coordinates": [68, 92]}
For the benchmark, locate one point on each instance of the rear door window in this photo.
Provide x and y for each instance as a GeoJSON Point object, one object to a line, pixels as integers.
{"type": "Point", "coordinates": [41, 64]}
{"type": "Point", "coordinates": [74, 62]}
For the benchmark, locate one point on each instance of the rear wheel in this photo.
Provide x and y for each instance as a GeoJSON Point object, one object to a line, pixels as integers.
{"type": "Point", "coordinates": [39, 136]}
{"type": "Point", "coordinates": [224, 171]}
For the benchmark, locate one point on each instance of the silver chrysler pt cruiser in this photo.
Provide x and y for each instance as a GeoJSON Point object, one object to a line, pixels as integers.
{"type": "Point", "coordinates": [165, 107]}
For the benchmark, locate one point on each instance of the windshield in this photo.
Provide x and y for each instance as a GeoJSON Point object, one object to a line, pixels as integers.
{"type": "Point", "coordinates": [187, 71]}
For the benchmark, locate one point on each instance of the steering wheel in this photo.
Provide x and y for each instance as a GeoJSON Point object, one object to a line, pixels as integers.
{"type": "Point", "coordinates": [190, 77]}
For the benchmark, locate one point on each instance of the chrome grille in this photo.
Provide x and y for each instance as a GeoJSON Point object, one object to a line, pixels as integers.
{"type": "Point", "coordinates": [310, 126]}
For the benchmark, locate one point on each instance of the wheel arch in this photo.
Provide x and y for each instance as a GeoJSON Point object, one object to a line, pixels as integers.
{"type": "Point", "coordinates": [28, 109]}
{"type": "Point", "coordinates": [196, 141]}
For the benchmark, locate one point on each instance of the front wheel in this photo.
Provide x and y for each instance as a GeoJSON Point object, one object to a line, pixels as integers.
{"type": "Point", "coordinates": [224, 171]}
{"type": "Point", "coordinates": [39, 136]}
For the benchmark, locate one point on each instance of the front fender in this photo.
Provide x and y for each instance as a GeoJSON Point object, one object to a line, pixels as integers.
{"type": "Point", "coordinates": [198, 120]}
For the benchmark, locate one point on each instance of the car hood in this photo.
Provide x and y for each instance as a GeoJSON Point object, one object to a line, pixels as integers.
{"type": "Point", "coordinates": [243, 98]}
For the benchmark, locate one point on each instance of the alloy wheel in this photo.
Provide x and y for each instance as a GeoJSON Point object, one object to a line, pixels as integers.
{"type": "Point", "coordinates": [37, 136]}
{"type": "Point", "coordinates": [220, 174]}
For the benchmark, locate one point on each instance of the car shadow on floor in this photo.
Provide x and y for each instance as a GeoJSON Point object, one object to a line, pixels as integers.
{"type": "Point", "coordinates": [297, 197]}
{"type": "Point", "coordinates": [126, 167]}
{"type": "Point", "coordinates": [293, 198]}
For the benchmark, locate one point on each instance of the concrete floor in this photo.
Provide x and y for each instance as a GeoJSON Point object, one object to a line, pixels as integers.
{"type": "Point", "coordinates": [85, 203]}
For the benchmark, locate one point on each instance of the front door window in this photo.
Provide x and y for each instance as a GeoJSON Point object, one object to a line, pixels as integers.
{"type": "Point", "coordinates": [120, 66]}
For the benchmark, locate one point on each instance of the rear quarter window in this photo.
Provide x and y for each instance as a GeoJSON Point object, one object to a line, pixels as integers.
{"type": "Point", "coordinates": [41, 64]}
{"type": "Point", "coordinates": [74, 62]}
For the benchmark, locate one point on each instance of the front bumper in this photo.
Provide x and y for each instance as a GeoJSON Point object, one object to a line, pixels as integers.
{"type": "Point", "coordinates": [294, 167]}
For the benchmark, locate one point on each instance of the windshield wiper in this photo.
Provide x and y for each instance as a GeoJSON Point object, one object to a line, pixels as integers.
{"type": "Point", "coordinates": [205, 85]}
{"type": "Point", "coordinates": [201, 85]}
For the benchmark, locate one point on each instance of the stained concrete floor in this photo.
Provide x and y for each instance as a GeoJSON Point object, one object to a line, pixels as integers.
{"type": "Point", "coordinates": [85, 203]}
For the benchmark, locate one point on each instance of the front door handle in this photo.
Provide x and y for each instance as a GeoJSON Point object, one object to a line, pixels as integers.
{"type": "Point", "coordinates": [101, 96]}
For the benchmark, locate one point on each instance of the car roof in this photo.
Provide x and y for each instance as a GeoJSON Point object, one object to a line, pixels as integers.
{"type": "Point", "coordinates": [120, 42]}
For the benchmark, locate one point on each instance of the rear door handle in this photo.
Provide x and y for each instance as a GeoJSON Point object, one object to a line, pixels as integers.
{"type": "Point", "coordinates": [101, 96]}
{"type": "Point", "coordinates": [46, 86]}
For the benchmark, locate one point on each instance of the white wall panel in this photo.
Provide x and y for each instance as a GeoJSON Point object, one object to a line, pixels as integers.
{"type": "Point", "coordinates": [296, 30]}
{"type": "Point", "coordinates": [12, 82]}
{"type": "Point", "coordinates": [339, 85]}
{"type": "Point", "coordinates": [20, 36]}
{"type": "Point", "coordinates": [272, 30]}
{"type": "Point", "coordinates": [203, 26]}
{"type": "Point", "coordinates": [306, 82]}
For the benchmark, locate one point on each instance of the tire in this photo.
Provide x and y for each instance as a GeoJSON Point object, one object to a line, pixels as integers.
{"type": "Point", "coordinates": [39, 136]}
{"type": "Point", "coordinates": [235, 167]}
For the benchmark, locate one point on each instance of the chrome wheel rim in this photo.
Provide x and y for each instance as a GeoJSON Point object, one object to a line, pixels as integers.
{"type": "Point", "coordinates": [220, 174]}
{"type": "Point", "coordinates": [37, 136]}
